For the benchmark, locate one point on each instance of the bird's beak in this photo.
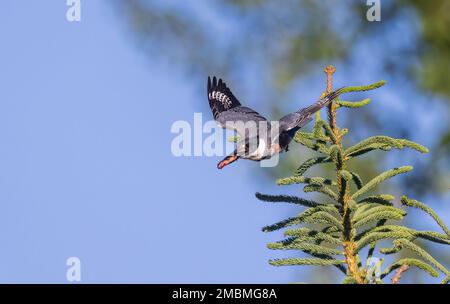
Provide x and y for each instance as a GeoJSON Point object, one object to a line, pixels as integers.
{"type": "Point", "coordinates": [226, 161]}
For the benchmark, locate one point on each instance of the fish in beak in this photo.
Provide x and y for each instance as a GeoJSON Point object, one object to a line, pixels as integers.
{"type": "Point", "coordinates": [226, 161]}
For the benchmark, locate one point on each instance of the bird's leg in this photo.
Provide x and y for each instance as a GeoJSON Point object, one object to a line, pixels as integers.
{"type": "Point", "coordinates": [227, 160]}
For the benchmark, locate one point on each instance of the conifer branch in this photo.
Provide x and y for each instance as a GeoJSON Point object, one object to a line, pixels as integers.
{"type": "Point", "coordinates": [426, 235]}
{"type": "Point", "coordinates": [375, 210]}
{"type": "Point", "coordinates": [377, 216]}
{"type": "Point", "coordinates": [416, 204]}
{"type": "Point", "coordinates": [377, 236]}
{"type": "Point", "coordinates": [392, 250]}
{"type": "Point", "coordinates": [311, 162]}
{"type": "Point", "coordinates": [282, 224]}
{"type": "Point", "coordinates": [373, 244]}
{"type": "Point", "coordinates": [342, 178]}
{"type": "Point", "coordinates": [307, 261]}
{"type": "Point", "coordinates": [286, 199]}
{"type": "Point", "coordinates": [329, 71]}
{"type": "Point", "coordinates": [320, 181]}
{"type": "Point", "coordinates": [324, 218]}
{"type": "Point", "coordinates": [317, 145]}
{"type": "Point", "coordinates": [379, 179]}
{"type": "Point", "coordinates": [313, 235]}
{"type": "Point", "coordinates": [382, 143]}
{"type": "Point", "coordinates": [337, 222]}
{"type": "Point", "coordinates": [382, 199]}
{"type": "Point", "coordinates": [410, 262]}
{"type": "Point", "coordinates": [353, 104]}
{"type": "Point", "coordinates": [363, 88]}
{"type": "Point", "coordinates": [357, 180]}
{"type": "Point", "coordinates": [328, 131]}
{"type": "Point", "coordinates": [321, 189]}
{"type": "Point", "coordinates": [307, 216]}
{"type": "Point", "coordinates": [305, 247]}
{"type": "Point", "coordinates": [306, 135]}
{"type": "Point", "coordinates": [404, 243]}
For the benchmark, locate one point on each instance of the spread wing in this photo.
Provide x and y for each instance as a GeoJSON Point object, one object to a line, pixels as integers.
{"type": "Point", "coordinates": [220, 97]}
{"type": "Point", "coordinates": [296, 120]}
{"type": "Point", "coordinates": [228, 111]}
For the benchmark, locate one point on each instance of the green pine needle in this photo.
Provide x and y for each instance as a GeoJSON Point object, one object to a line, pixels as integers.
{"type": "Point", "coordinates": [416, 204]}
{"type": "Point", "coordinates": [305, 247]}
{"type": "Point", "coordinates": [305, 261]}
{"type": "Point", "coordinates": [357, 180]}
{"type": "Point", "coordinates": [388, 215]}
{"type": "Point", "coordinates": [363, 88]}
{"type": "Point", "coordinates": [311, 162]}
{"type": "Point", "coordinates": [382, 143]}
{"type": "Point", "coordinates": [305, 180]}
{"type": "Point", "coordinates": [353, 104]}
{"type": "Point", "coordinates": [379, 179]}
{"type": "Point", "coordinates": [410, 262]}
{"type": "Point", "coordinates": [321, 189]}
{"type": "Point", "coordinates": [286, 199]}
{"type": "Point", "coordinates": [313, 235]}
{"type": "Point", "coordinates": [404, 243]}
{"type": "Point", "coordinates": [382, 199]}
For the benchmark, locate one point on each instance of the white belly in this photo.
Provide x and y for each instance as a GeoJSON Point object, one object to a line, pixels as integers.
{"type": "Point", "coordinates": [260, 151]}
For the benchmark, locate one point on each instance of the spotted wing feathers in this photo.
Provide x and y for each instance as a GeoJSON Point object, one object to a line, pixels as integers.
{"type": "Point", "coordinates": [220, 97]}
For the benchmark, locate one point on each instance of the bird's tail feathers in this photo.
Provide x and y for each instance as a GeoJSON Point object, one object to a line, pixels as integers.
{"type": "Point", "coordinates": [324, 101]}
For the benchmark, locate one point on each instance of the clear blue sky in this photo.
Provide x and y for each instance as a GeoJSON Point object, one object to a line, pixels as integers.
{"type": "Point", "coordinates": [86, 168]}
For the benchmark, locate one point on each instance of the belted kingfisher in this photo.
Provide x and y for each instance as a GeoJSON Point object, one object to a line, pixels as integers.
{"type": "Point", "coordinates": [259, 139]}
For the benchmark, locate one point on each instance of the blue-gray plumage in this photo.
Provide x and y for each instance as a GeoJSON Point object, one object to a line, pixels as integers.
{"type": "Point", "coordinates": [259, 139]}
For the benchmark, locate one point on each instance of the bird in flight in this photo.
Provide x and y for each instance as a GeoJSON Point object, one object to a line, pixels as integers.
{"type": "Point", "coordinates": [259, 138]}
